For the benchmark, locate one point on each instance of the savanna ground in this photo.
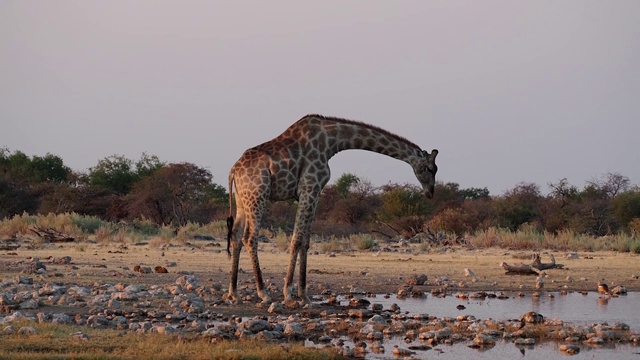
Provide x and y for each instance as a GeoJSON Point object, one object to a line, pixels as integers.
{"type": "Point", "coordinates": [337, 270]}
{"type": "Point", "coordinates": [371, 271]}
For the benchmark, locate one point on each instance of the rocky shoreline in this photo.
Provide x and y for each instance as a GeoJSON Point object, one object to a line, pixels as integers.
{"type": "Point", "coordinates": [185, 307]}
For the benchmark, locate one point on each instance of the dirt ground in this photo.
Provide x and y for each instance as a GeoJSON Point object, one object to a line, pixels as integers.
{"type": "Point", "coordinates": [374, 272]}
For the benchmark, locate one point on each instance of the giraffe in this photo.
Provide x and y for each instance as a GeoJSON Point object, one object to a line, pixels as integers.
{"type": "Point", "coordinates": [294, 165]}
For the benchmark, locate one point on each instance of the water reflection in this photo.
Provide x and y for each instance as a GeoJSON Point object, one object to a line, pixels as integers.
{"type": "Point", "coordinates": [572, 308]}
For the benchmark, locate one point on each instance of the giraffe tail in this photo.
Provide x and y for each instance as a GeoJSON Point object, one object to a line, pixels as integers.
{"type": "Point", "coordinates": [230, 218]}
{"type": "Point", "coordinates": [229, 234]}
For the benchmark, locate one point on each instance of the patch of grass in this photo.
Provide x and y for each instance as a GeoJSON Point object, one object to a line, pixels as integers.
{"type": "Point", "coordinates": [145, 227]}
{"type": "Point", "coordinates": [363, 242]}
{"type": "Point", "coordinates": [335, 245]}
{"type": "Point", "coordinates": [19, 224]}
{"type": "Point", "coordinates": [55, 342]}
{"type": "Point", "coordinates": [157, 242]}
{"type": "Point", "coordinates": [281, 240]}
{"type": "Point", "coordinates": [88, 224]}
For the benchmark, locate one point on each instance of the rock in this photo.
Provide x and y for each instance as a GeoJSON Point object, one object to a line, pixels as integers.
{"type": "Point", "coordinates": [525, 341]}
{"type": "Point", "coordinates": [354, 290]}
{"type": "Point", "coordinates": [79, 335]}
{"type": "Point", "coordinates": [484, 339]}
{"type": "Point", "coordinates": [61, 260]}
{"type": "Point", "coordinates": [29, 304]}
{"type": "Point", "coordinates": [417, 279]}
{"type": "Point", "coordinates": [27, 330]}
{"type": "Point", "coordinates": [255, 326]}
{"type": "Point", "coordinates": [160, 270]}
{"type": "Point", "coordinates": [275, 308]}
{"type": "Point", "coordinates": [594, 340]}
{"type": "Point", "coordinates": [570, 349]}
{"type": "Point", "coordinates": [400, 352]}
{"type": "Point", "coordinates": [142, 269]}
{"type": "Point", "coordinates": [293, 329]}
{"type": "Point", "coordinates": [188, 282]}
{"type": "Point", "coordinates": [469, 273]}
{"type": "Point", "coordinates": [619, 290]}
{"type": "Point", "coordinates": [532, 317]}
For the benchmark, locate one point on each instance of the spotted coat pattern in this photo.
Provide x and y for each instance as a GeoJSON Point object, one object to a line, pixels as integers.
{"type": "Point", "coordinates": [295, 165]}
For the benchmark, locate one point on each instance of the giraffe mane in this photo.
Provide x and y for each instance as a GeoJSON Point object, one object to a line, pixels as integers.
{"type": "Point", "coordinates": [364, 124]}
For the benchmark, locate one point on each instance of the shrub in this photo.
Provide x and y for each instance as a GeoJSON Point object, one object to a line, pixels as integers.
{"type": "Point", "coordinates": [88, 224]}
{"type": "Point", "coordinates": [363, 242]}
{"type": "Point", "coordinates": [335, 245]}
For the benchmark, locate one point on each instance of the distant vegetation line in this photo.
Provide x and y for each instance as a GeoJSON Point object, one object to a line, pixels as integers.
{"type": "Point", "coordinates": [175, 195]}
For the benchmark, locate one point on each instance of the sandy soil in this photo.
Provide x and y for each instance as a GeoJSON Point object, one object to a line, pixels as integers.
{"type": "Point", "coordinates": [379, 272]}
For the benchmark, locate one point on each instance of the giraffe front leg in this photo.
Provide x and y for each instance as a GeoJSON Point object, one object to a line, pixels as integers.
{"type": "Point", "coordinates": [302, 284]}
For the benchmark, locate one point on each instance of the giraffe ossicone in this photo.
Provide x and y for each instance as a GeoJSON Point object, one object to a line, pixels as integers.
{"type": "Point", "coordinates": [295, 165]}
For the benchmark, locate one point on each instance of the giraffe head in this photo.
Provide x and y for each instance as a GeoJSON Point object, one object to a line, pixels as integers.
{"type": "Point", "coordinates": [424, 166]}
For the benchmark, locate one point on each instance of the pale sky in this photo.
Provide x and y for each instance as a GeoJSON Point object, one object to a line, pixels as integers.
{"type": "Point", "coordinates": [508, 91]}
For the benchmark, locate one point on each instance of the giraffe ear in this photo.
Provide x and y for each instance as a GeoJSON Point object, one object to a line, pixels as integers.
{"type": "Point", "coordinates": [422, 153]}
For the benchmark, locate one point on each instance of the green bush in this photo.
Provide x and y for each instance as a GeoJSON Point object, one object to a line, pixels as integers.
{"type": "Point", "coordinates": [88, 224]}
{"type": "Point", "coordinates": [363, 242]}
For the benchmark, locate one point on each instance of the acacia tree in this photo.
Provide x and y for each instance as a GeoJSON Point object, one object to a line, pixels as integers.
{"type": "Point", "coordinates": [519, 205]}
{"type": "Point", "coordinates": [24, 180]}
{"type": "Point", "coordinates": [170, 194]}
{"type": "Point", "coordinates": [118, 173]}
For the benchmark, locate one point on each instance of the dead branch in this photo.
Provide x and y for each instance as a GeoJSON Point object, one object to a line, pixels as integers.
{"type": "Point", "coordinates": [535, 268]}
{"type": "Point", "coordinates": [51, 234]}
{"type": "Point", "coordinates": [9, 244]}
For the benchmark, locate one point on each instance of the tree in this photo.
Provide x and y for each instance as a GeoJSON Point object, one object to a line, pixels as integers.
{"type": "Point", "coordinates": [475, 193]}
{"type": "Point", "coordinates": [519, 205]}
{"type": "Point", "coordinates": [170, 194]}
{"type": "Point", "coordinates": [344, 184]}
{"type": "Point", "coordinates": [20, 169]}
{"type": "Point", "coordinates": [626, 207]}
{"type": "Point", "coordinates": [147, 165]}
{"type": "Point", "coordinates": [115, 173]}
{"type": "Point", "coordinates": [49, 168]}
{"type": "Point", "coordinates": [610, 184]}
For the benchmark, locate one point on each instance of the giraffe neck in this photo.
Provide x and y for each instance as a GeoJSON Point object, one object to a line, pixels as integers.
{"type": "Point", "coordinates": [347, 135]}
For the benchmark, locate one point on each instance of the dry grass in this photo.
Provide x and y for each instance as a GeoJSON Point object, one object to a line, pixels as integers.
{"type": "Point", "coordinates": [56, 342]}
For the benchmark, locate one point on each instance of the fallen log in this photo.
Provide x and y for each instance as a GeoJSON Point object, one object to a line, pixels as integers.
{"type": "Point", "coordinates": [8, 244]}
{"type": "Point", "coordinates": [535, 268]}
{"type": "Point", "coordinates": [51, 235]}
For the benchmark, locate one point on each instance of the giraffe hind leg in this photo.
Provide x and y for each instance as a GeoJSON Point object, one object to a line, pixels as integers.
{"type": "Point", "coordinates": [233, 285]}
{"type": "Point", "coordinates": [288, 280]}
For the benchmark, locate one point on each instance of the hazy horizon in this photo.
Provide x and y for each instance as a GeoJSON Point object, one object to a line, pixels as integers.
{"type": "Point", "coordinates": [506, 91]}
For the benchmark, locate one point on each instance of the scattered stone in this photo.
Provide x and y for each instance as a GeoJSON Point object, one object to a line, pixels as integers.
{"type": "Point", "coordinates": [417, 279]}
{"type": "Point", "coordinates": [532, 317]}
{"type": "Point", "coordinates": [483, 339]}
{"type": "Point", "coordinates": [275, 308]}
{"type": "Point", "coordinates": [525, 341]}
{"type": "Point", "coordinates": [79, 335]}
{"type": "Point", "coordinates": [570, 349]}
{"type": "Point", "coordinates": [27, 330]}
{"type": "Point", "coordinates": [469, 273]}
{"type": "Point", "coordinates": [160, 270]}
{"type": "Point", "coordinates": [64, 260]}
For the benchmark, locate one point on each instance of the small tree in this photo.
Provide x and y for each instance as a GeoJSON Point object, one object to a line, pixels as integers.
{"type": "Point", "coordinates": [519, 205]}
{"type": "Point", "coordinates": [115, 173]}
{"type": "Point", "coordinates": [345, 183]}
{"type": "Point", "coordinates": [170, 194]}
